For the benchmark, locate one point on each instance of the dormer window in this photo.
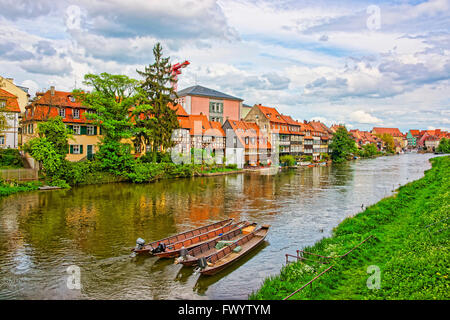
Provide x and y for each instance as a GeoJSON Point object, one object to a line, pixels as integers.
{"type": "Point", "coordinates": [72, 98]}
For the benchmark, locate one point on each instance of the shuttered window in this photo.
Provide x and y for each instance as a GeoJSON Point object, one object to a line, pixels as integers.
{"type": "Point", "coordinates": [76, 149]}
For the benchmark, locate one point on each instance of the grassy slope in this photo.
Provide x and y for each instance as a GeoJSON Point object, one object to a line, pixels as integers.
{"type": "Point", "coordinates": [413, 259]}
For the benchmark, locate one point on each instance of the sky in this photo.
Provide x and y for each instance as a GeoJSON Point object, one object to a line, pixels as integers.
{"type": "Point", "coordinates": [363, 63]}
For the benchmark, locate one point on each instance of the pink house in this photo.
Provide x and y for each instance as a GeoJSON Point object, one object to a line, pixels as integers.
{"type": "Point", "coordinates": [216, 105]}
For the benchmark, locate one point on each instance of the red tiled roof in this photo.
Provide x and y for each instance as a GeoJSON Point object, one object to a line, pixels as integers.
{"type": "Point", "coordinates": [392, 131]}
{"type": "Point", "coordinates": [217, 126]}
{"type": "Point", "coordinates": [200, 125]}
{"type": "Point", "coordinates": [271, 114]}
{"type": "Point", "coordinates": [60, 98]}
{"type": "Point", "coordinates": [179, 109]}
{"type": "Point", "coordinates": [12, 105]}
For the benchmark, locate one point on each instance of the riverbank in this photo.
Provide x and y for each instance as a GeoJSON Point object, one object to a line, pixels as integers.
{"type": "Point", "coordinates": [409, 246]}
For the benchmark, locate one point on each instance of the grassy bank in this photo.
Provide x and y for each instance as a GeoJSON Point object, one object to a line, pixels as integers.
{"type": "Point", "coordinates": [8, 188]}
{"type": "Point", "coordinates": [410, 247]}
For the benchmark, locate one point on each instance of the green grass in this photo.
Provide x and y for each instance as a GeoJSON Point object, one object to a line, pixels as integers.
{"type": "Point", "coordinates": [412, 258]}
{"type": "Point", "coordinates": [8, 188]}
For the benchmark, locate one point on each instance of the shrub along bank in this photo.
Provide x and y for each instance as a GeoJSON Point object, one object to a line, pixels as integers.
{"type": "Point", "coordinates": [410, 247]}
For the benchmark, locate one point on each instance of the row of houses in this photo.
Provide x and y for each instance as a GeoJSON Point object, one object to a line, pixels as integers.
{"type": "Point", "coordinates": [427, 140]}
{"type": "Point", "coordinates": [208, 119]}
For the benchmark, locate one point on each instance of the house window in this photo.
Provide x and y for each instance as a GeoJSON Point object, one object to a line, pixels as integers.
{"type": "Point", "coordinates": [30, 128]}
{"type": "Point", "coordinates": [76, 129]}
{"type": "Point", "coordinates": [246, 140]}
{"type": "Point", "coordinates": [90, 130]}
{"type": "Point", "coordinates": [2, 103]}
{"type": "Point", "coordinates": [76, 149]}
{"type": "Point", "coordinates": [76, 113]}
{"type": "Point", "coordinates": [62, 112]}
{"type": "Point", "coordinates": [2, 140]}
{"type": "Point", "coordinates": [72, 99]}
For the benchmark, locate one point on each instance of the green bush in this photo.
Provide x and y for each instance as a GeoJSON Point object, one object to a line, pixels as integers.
{"type": "Point", "coordinates": [288, 160]}
{"type": "Point", "coordinates": [10, 158]}
{"type": "Point", "coordinates": [232, 166]}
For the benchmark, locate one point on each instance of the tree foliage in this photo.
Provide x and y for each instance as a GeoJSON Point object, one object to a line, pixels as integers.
{"type": "Point", "coordinates": [389, 143]}
{"type": "Point", "coordinates": [368, 150]}
{"type": "Point", "coordinates": [342, 145]}
{"type": "Point", "coordinates": [444, 146]}
{"type": "Point", "coordinates": [50, 147]}
{"type": "Point", "coordinates": [154, 119]}
{"type": "Point", "coordinates": [111, 101]}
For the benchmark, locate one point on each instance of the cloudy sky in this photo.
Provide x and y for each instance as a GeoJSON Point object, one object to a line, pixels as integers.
{"type": "Point", "coordinates": [366, 64]}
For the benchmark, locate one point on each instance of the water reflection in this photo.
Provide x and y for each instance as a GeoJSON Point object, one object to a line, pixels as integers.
{"type": "Point", "coordinates": [42, 233]}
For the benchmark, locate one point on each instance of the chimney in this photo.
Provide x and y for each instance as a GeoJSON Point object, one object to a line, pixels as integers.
{"type": "Point", "coordinates": [304, 121]}
{"type": "Point", "coordinates": [52, 90]}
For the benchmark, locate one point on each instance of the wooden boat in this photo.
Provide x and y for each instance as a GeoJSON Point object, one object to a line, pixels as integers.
{"type": "Point", "coordinates": [208, 248]}
{"type": "Point", "coordinates": [226, 256]}
{"type": "Point", "coordinates": [141, 247]}
{"type": "Point", "coordinates": [173, 250]}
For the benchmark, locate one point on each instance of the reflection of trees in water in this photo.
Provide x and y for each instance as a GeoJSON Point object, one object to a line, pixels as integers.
{"type": "Point", "coordinates": [341, 173]}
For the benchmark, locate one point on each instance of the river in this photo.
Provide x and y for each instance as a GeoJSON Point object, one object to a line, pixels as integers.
{"type": "Point", "coordinates": [93, 227]}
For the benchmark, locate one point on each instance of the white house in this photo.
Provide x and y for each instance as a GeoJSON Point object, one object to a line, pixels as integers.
{"type": "Point", "coordinates": [9, 107]}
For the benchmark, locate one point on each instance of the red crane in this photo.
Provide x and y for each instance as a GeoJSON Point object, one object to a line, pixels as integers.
{"type": "Point", "coordinates": [176, 70]}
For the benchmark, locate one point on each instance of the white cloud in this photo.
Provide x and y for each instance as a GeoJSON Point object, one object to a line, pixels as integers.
{"type": "Point", "coordinates": [363, 117]}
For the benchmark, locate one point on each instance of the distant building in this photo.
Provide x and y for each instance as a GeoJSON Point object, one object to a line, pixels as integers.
{"type": "Point", "coordinates": [215, 105]}
{"type": "Point", "coordinates": [9, 104]}
{"type": "Point", "coordinates": [245, 143]}
{"type": "Point", "coordinates": [399, 137]}
{"type": "Point", "coordinates": [245, 110]}
{"type": "Point", "coordinates": [20, 92]}
{"type": "Point", "coordinates": [412, 137]}
{"type": "Point", "coordinates": [431, 143]}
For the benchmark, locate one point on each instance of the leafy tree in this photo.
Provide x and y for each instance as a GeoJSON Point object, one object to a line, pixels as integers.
{"type": "Point", "coordinates": [50, 147]}
{"type": "Point", "coordinates": [57, 133]}
{"type": "Point", "coordinates": [444, 146]}
{"type": "Point", "coordinates": [369, 150]}
{"type": "Point", "coordinates": [342, 145]}
{"type": "Point", "coordinates": [154, 119]}
{"type": "Point", "coordinates": [288, 160]}
{"type": "Point", "coordinates": [389, 142]}
{"type": "Point", "coordinates": [112, 100]}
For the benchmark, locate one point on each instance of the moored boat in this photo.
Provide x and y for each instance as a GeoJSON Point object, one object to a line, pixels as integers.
{"type": "Point", "coordinates": [205, 250]}
{"type": "Point", "coordinates": [230, 254]}
{"type": "Point", "coordinates": [173, 250]}
{"type": "Point", "coordinates": [142, 247]}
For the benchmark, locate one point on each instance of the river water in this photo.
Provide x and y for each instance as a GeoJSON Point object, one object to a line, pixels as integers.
{"type": "Point", "coordinates": [93, 227]}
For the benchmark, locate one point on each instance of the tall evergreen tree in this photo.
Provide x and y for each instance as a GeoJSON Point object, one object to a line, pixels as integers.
{"type": "Point", "coordinates": [154, 119]}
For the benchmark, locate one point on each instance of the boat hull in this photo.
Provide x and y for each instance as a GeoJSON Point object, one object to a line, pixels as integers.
{"type": "Point", "coordinates": [197, 241]}
{"type": "Point", "coordinates": [148, 248]}
{"type": "Point", "coordinates": [226, 260]}
{"type": "Point", "coordinates": [207, 249]}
